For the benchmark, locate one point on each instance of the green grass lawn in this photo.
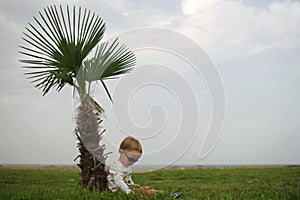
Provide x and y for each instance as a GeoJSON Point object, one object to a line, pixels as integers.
{"type": "Point", "coordinates": [228, 183]}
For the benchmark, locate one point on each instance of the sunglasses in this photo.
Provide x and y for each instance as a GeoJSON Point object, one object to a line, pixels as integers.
{"type": "Point", "coordinates": [130, 159]}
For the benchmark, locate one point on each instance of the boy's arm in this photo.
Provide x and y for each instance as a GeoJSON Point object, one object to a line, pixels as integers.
{"type": "Point", "coordinates": [129, 180]}
{"type": "Point", "coordinates": [118, 178]}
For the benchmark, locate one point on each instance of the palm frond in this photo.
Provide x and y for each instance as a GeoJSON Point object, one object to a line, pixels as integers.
{"type": "Point", "coordinates": [107, 91]}
{"type": "Point", "coordinates": [58, 43]}
{"type": "Point", "coordinates": [110, 61]}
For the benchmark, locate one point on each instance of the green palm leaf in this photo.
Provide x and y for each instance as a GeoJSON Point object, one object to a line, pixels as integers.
{"type": "Point", "coordinates": [110, 61]}
{"type": "Point", "coordinates": [58, 45]}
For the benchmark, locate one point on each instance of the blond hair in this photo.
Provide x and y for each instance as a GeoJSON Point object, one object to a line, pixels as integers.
{"type": "Point", "coordinates": [131, 144]}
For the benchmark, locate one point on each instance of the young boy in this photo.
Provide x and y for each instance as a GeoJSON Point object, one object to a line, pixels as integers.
{"type": "Point", "coordinates": [119, 178]}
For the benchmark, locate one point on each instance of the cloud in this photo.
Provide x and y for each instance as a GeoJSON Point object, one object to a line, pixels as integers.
{"type": "Point", "coordinates": [262, 97]}
{"type": "Point", "coordinates": [229, 29]}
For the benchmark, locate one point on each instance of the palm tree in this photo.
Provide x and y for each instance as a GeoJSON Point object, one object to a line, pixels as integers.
{"type": "Point", "coordinates": [57, 54]}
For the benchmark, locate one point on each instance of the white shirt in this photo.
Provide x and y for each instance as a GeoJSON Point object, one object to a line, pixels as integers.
{"type": "Point", "coordinates": [119, 177]}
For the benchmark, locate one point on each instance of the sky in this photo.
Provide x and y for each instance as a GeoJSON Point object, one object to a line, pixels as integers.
{"type": "Point", "coordinates": [216, 82]}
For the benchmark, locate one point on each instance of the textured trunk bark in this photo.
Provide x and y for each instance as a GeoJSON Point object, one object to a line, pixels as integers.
{"type": "Point", "coordinates": [92, 157]}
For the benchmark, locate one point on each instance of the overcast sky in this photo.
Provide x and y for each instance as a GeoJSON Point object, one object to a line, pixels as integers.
{"type": "Point", "coordinates": [170, 101]}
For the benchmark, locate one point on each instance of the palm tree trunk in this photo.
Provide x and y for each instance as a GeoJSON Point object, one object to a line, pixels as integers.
{"type": "Point", "coordinates": [89, 135]}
